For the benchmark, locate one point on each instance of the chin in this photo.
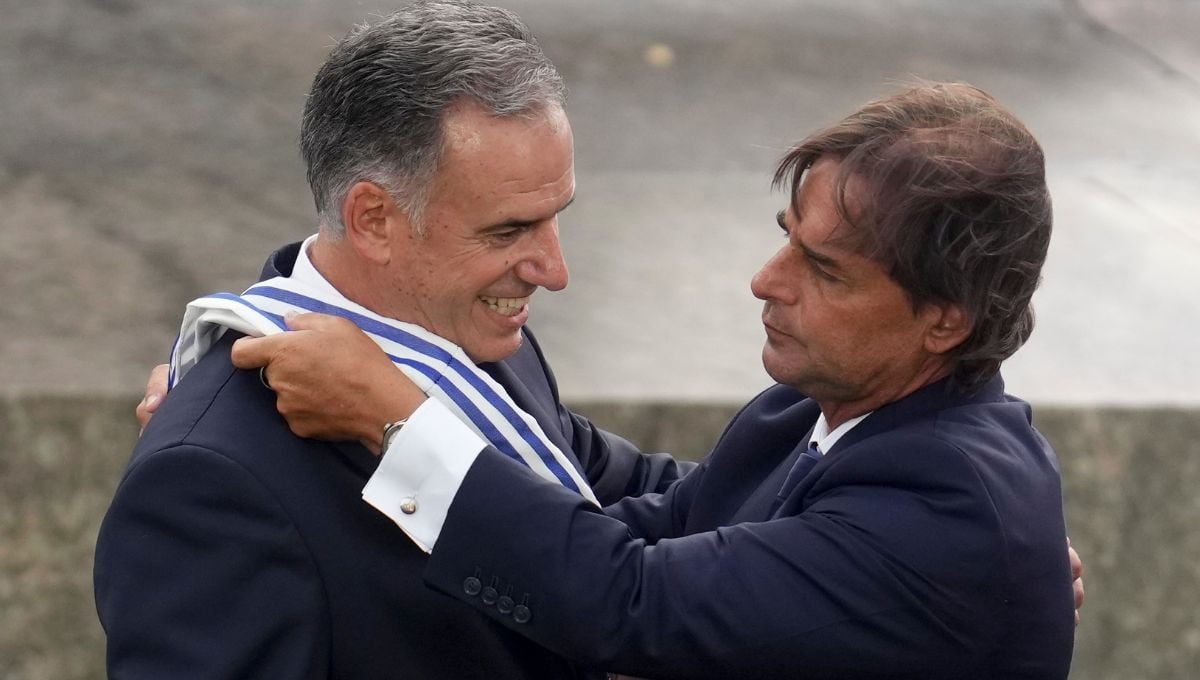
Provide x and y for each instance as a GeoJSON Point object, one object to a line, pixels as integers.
{"type": "Point", "coordinates": [498, 350]}
{"type": "Point", "coordinates": [791, 374]}
{"type": "Point", "coordinates": [774, 365]}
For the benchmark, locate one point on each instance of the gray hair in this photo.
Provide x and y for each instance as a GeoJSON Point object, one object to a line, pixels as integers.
{"type": "Point", "coordinates": [377, 105]}
{"type": "Point", "coordinates": [954, 207]}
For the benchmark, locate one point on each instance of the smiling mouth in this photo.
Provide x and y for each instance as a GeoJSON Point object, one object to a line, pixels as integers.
{"type": "Point", "coordinates": [505, 306]}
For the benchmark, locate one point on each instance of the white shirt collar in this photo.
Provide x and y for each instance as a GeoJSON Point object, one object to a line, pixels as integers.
{"type": "Point", "coordinates": [824, 439]}
{"type": "Point", "coordinates": [304, 271]}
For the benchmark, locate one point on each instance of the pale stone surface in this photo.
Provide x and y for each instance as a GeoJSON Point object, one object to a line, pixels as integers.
{"type": "Point", "coordinates": [147, 155]}
{"type": "Point", "coordinates": [62, 458]}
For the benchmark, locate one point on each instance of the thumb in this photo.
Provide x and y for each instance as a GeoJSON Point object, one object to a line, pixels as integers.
{"type": "Point", "coordinates": [255, 352]}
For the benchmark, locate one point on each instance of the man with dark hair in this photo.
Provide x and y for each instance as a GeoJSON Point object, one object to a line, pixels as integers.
{"type": "Point", "coordinates": [952, 204]}
{"type": "Point", "coordinates": [439, 157]}
{"type": "Point", "coordinates": [884, 511]}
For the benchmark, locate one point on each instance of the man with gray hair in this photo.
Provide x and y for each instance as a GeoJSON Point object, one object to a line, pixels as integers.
{"type": "Point", "coordinates": [439, 157]}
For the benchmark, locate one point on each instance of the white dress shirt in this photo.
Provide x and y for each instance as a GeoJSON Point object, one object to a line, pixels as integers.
{"type": "Point", "coordinates": [824, 439]}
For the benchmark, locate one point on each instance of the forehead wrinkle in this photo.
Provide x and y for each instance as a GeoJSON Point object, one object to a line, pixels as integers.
{"type": "Point", "coordinates": [567, 178]}
{"type": "Point", "coordinates": [817, 255]}
{"type": "Point", "coordinates": [568, 173]}
{"type": "Point", "coordinates": [847, 235]}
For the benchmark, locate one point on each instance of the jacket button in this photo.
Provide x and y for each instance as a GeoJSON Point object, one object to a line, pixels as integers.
{"type": "Point", "coordinates": [472, 586]}
{"type": "Point", "coordinates": [489, 594]}
{"type": "Point", "coordinates": [505, 604]}
{"type": "Point", "coordinates": [521, 614]}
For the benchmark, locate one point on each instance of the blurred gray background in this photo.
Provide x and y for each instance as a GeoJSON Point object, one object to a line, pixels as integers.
{"type": "Point", "coordinates": [148, 155]}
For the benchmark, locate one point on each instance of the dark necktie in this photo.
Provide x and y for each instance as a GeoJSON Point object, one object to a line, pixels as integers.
{"type": "Point", "coordinates": [804, 464]}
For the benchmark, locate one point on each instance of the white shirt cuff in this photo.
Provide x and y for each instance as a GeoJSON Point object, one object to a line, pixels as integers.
{"type": "Point", "coordinates": [421, 471]}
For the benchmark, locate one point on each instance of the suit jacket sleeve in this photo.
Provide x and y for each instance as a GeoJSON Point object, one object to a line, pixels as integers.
{"type": "Point", "coordinates": [867, 580]}
{"type": "Point", "coordinates": [615, 467]}
{"type": "Point", "coordinates": [200, 574]}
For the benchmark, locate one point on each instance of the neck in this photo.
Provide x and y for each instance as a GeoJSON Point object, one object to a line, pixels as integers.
{"type": "Point", "coordinates": [839, 411]}
{"type": "Point", "coordinates": [349, 274]}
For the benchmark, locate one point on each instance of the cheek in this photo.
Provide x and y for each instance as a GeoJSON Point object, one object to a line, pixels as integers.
{"type": "Point", "coordinates": [889, 334]}
{"type": "Point", "coordinates": [835, 334]}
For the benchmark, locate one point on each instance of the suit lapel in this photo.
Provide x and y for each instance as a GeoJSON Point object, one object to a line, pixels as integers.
{"type": "Point", "coordinates": [749, 464]}
{"type": "Point", "coordinates": [757, 507]}
{"type": "Point", "coordinates": [543, 407]}
{"type": "Point", "coordinates": [916, 406]}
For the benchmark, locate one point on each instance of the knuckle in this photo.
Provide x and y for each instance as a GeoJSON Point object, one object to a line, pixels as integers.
{"type": "Point", "coordinates": [285, 406]}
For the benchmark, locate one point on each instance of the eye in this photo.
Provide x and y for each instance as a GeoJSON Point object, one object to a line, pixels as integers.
{"type": "Point", "coordinates": [822, 274]}
{"type": "Point", "coordinates": [819, 270]}
{"type": "Point", "coordinates": [504, 236]}
{"type": "Point", "coordinates": [780, 219]}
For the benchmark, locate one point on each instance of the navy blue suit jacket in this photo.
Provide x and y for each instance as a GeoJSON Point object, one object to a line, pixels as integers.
{"type": "Point", "coordinates": [234, 549]}
{"type": "Point", "coordinates": [927, 544]}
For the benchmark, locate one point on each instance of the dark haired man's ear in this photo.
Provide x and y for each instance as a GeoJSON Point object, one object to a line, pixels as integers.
{"type": "Point", "coordinates": [949, 327]}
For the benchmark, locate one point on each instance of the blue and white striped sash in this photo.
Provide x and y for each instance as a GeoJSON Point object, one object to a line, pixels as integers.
{"type": "Point", "coordinates": [438, 367]}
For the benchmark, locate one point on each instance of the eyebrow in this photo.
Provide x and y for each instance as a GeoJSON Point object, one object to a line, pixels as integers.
{"type": "Point", "coordinates": [819, 258]}
{"type": "Point", "coordinates": [781, 217]}
{"type": "Point", "coordinates": [528, 223]}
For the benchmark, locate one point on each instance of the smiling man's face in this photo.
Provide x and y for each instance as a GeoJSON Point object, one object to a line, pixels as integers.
{"type": "Point", "coordinates": [491, 230]}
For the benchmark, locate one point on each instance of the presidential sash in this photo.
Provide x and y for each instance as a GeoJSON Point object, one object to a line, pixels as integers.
{"type": "Point", "coordinates": [439, 368]}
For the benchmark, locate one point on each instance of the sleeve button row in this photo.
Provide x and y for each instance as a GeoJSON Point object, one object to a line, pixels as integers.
{"type": "Point", "coordinates": [505, 604]}
{"type": "Point", "coordinates": [489, 594]}
{"type": "Point", "coordinates": [472, 585]}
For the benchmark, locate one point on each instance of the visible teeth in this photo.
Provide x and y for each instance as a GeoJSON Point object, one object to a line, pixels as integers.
{"type": "Point", "coordinates": [505, 306]}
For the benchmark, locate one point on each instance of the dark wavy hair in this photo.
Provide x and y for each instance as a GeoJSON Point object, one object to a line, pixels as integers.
{"type": "Point", "coordinates": [950, 198]}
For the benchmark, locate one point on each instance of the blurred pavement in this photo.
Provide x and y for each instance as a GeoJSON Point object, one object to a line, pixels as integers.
{"type": "Point", "coordinates": [147, 155]}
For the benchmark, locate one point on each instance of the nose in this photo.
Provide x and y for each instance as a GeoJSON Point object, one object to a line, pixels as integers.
{"type": "Point", "coordinates": [544, 264]}
{"type": "Point", "coordinates": [767, 283]}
